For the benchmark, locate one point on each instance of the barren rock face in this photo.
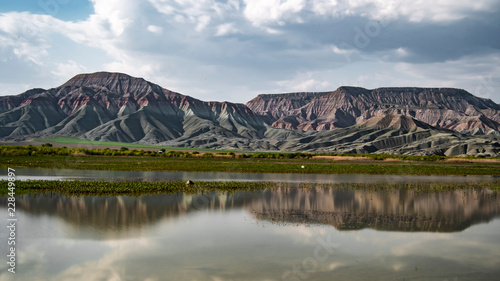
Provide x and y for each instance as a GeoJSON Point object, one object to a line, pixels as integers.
{"type": "Point", "coordinates": [396, 121]}
{"type": "Point", "coordinates": [117, 107]}
{"type": "Point", "coordinates": [445, 108]}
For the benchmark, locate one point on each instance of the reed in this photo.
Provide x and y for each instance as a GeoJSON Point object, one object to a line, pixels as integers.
{"type": "Point", "coordinates": [136, 188]}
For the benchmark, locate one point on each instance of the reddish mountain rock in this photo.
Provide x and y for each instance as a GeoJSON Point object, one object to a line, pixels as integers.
{"type": "Point", "coordinates": [117, 107]}
{"type": "Point", "coordinates": [445, 108]}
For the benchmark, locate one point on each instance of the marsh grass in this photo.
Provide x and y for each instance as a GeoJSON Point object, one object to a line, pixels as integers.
{"type": "Point", "coordinates": [69, 140]}
{"type": "Point", "coordinates": [129, 187]}
{"type": "Point", "coordinates": [251, 165]}
{"type": "Point", "coordinates": [136, 188]}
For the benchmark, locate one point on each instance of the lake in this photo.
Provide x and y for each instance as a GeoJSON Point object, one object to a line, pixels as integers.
{"type": "Point", "coordinates": [67, 174]}
{"type": "Point", "coordinates": [294, 234]}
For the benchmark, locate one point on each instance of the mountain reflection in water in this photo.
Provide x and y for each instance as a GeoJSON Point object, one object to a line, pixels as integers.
{"type": "Point", "coordinates": [393, 210]}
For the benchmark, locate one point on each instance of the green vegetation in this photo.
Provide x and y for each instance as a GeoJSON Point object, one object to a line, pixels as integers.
{"type": "Point", "coordinates": [47, 156]}
{"type": "Point", "coordinates": [124, 187]}
{"type": "Point", "coordinates": [102, 188]}
{"type": "Point", "coordinates": [249, 165]}
{"type": "Point", "coordinates": [48, 149]}
{"type": "Point", "coordinates": [70, 140]}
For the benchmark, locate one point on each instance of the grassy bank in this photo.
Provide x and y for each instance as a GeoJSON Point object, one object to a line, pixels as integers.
{"type": "Point", "coordinates": [250, 165]}
{"type": "Point", "coordinates": [48, 149]}
{"type": "Point", "coordinates": [76, 141]}
{"type": "Point", "coordinates": [102, 188]}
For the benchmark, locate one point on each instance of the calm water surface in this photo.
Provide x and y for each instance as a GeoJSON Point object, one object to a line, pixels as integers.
{"type": "Point", "coordinates": [55, 174]}
{"type": "Point", "coordinates": [272, 235]}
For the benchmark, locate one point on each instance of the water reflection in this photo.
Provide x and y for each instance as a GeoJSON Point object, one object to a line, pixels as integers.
{"type": "Point", "coordinates": [66, 174]}
{"type": "Point", "coordinates": [259, 236]}
{"type": "Point", "coordinates": [396, 210]}
{"type": "Point", "coordinates": [401, 210]}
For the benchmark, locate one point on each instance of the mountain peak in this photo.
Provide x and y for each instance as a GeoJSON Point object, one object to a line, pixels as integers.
{"type": "Point", "coordinates": [101, 79]}
{"type": "Point", "coordinates": [120, 84]}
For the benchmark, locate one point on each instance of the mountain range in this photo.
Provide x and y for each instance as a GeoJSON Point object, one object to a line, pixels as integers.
{"type": "Point", "coordinates": [117, 107]}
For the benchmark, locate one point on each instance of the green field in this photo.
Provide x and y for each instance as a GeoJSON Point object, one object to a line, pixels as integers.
{"type": "Point", "coordinates": [249, 165]}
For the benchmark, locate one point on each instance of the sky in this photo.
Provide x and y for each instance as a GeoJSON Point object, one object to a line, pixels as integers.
{"type": "Point", "coordinates": [234, 50]}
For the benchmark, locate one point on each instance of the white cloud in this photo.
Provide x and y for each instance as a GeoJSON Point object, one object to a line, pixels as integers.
{"type": "Point", "coordinates": [199, 13]}
{"type": "Point", "coordinates": [112, 20]}
{"type": "Point", "coordinates": [155, 29]}
{"type": "Point", "coordinates": [134, 67]}
{"type": "Point", "coordinates": [203, 22]}
{"type": "Point", "coordinates": [401, 52]}
{"type": "Point", "coordinates": [480, 75]}
{"type": "Point", "coordinates": [305, 82]}
{"type": "Point", "coordinates": [118, 14]}
{"type": "Point", "coordinates": [264, 12]}
{"type": "Point", "coordinates": [263, 53]}
{"type": "Point", "coordinates": [261, 12]}
{"type": "Point", "coordinates": [226, 29]}
{"type": "Point", "coordinates": [439, 11]}
{"type": "Point", "coordinates": [272, 30]}
{"type": "Point", "coordinates": [69, 69]}
{"type": "Point", "coordinates": [25, 35]}
{"type": "Point", "coordinates": [345, 52]}
{"type": "Point", "coordinates": [30, 38]}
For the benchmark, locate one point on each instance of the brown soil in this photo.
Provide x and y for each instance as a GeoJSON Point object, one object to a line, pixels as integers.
{"type": "Point", "coordinates": [464, 160]}
{"type": "Point", "coordinates": [341, 158]}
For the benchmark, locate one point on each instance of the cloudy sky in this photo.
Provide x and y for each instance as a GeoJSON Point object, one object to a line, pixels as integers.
{"type": "Point", "coordinates": [235, 49]}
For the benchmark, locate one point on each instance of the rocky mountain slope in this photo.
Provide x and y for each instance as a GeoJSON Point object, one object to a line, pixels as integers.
{"type": "Point", "coordinates": [445, 108]}
{"type": "Point", "coordinates": [117, 107]}
{"type": "Point", "coordinates": [394, 134]}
